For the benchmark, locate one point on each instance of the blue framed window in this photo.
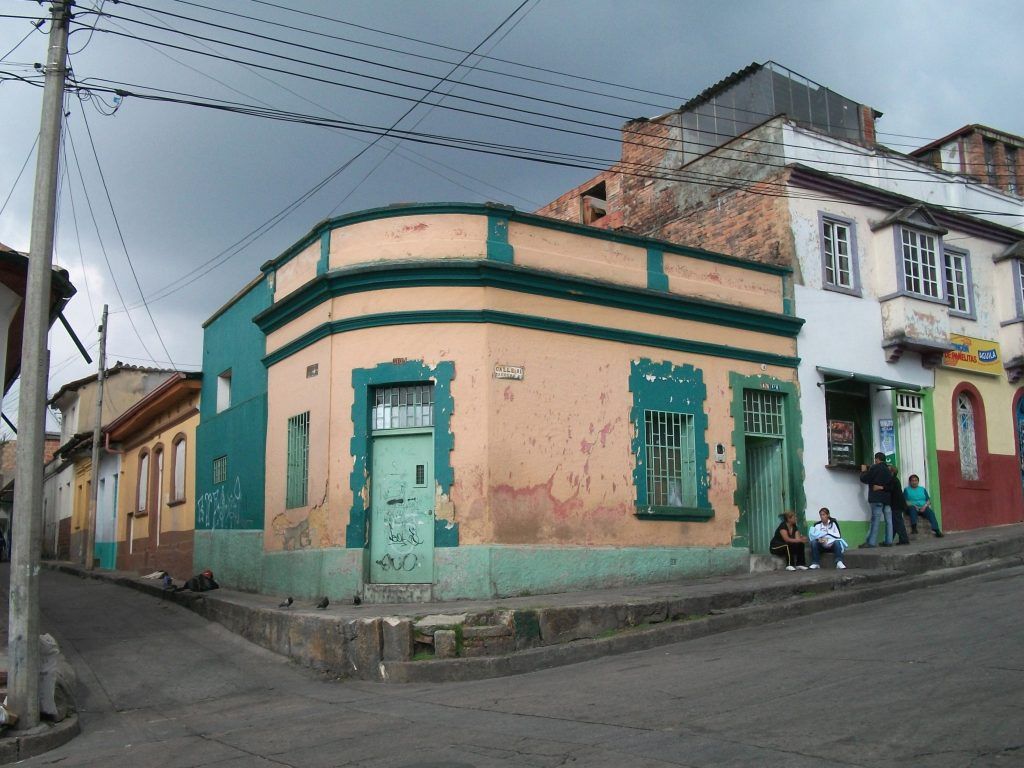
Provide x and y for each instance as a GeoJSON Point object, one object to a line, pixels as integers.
{"type": "Point", "coordinates": [838, 254]}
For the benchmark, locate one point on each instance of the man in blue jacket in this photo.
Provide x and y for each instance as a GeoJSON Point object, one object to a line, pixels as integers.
{"type": "Point", "coordinates": [877, 478]}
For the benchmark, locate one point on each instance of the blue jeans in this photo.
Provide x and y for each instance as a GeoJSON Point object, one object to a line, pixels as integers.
{"type": "Point", "coordinates": [927, 513]}
{"type": "Point", "coordinates": [836, 547]}
{"type": "Point", "coordinates": [878, 509]}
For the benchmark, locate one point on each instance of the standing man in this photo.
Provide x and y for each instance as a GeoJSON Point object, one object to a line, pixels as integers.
{"type": "Point", "coordinates": [877, 478]}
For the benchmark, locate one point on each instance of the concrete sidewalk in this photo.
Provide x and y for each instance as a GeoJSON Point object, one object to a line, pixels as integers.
{"type": "Point", "coordinates": [487, 638]}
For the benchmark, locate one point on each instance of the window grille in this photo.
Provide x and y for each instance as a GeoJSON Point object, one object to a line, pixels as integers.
{"type": "Point", "coordinates": [402, 407]}
{"type": "Point", "coordinates": [956, 281]}
{"type": "Point", "coordinates": [762, 413]}
{"type": "Point", "coordinates": [220, 470]}
{"type": "Point", "coordinates": [908, 402]}
{"type": "Point", "coordinates": [920, 265]}
{"type": "Point", "coordinates": [966, 434]}
{"type": "Point", "coordinates": [296, 481]}
{"type": "Point", "coordinates": [838, 265]}
{"type": "Point", "coordinates": [671, 459]}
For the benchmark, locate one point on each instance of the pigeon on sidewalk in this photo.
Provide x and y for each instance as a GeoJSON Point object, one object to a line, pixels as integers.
{"type": "Point", "coordinates": [287, 603]}
{"type": "Point", "coordinates": [323, 603]}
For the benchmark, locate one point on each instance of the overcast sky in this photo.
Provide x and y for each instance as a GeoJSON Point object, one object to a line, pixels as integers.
{"type": "Point", "coordinates": [187, 183]}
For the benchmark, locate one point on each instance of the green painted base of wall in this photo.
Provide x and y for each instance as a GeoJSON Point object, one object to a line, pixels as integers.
{"type": "Point", "coordinates": [238, 562]}
{"type": "Point", "coordinates": [105, 553]}
{"type": "Point", "coordinates": [478, 572]}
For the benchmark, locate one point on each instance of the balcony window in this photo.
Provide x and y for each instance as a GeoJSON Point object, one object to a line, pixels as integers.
{"type": "Point", "coordinates": [920, 264]}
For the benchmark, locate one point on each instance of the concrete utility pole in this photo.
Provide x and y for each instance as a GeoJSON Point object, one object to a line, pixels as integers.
{"type": "Point", "coordinates": [89, 556]}
{"type": "Point", "coordinates": [23, 627]}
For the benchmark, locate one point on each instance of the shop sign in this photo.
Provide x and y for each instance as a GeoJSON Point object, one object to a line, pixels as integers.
{"type": "Point", "coordinates": [840, 443]}
{"type": "Point", "coordinates": [887, 437]}
{"type": "Point", "coordinates": [971, 354]}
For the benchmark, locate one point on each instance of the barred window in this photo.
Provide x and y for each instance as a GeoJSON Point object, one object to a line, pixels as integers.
{"type": "Point", "coordinates": [296, 481]}
{"type": "Point", "coordinates": [220, 470]}
{"type": "Point", "coordinates": [762, 413]}
{"type": "Point", "coordinates": [402, 407]}
{"type": "Point", "coordinates": [671, 459]}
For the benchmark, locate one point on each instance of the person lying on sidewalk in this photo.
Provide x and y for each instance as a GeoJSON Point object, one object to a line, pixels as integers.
{"type": "Point", "coordinates": [826, 537]}
{"type": "Point", "coordinates": [920, 503]}
{"type": "Point", "coordinates": [788, 543]}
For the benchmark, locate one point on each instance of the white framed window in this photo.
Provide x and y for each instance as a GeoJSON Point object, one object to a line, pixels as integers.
{"type": "Point", "coordinates": [920, 264]}
{"type": "Point", "coordinates": [224, 391]}
{"type": "Point", "coordinates": [143, 486]}
{"type": "Point", "coordinates": [958, 280]}
{"type": "Point", "coordinates": [178, 470]}
{"type": "Point", "coordinates": [837, 252]}
{"type": "Point", "coordinates": [1018, 286]}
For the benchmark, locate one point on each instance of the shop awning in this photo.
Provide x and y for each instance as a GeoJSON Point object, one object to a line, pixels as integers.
{"type": "Point", "coordinates": [834, 376]}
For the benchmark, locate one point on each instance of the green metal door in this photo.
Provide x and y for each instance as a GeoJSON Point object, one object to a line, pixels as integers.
{"type": "Point", "coordinates": [402, 509]}
{"type": "Point", "coordinates": [766, 490]}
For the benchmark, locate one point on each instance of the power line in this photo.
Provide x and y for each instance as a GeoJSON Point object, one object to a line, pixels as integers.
{"type": "Point", "coordinates": [14, 186]}
{"type": "Point", "coordinates": [617, 138]}
{"type": "Point", "coordinates": [35, 28]}
{"type": "Point", "coordinates": [81, 255]}
{"type": "Point", "coordinates": [103, 248]}
{"type": "Point", "coordinates": [120, 235]}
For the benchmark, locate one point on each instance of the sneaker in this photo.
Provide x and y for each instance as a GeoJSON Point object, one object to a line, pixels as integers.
{"type": "Point", "coordinates": [903, 543]}
{"type": "Point", "coordinates": [885, 544]}
{"type": "Point", "coordinates": [840, 566]}
{"type": "Point", "coordinates": [913, 529]}
{"type": "Point", "coordinates": [790, 568]}
{"type": "Point", "coordinates": [865, 545]}
{"type": "Point", "coordinates": [801, 567]}
{"type": "Point", "coordinates": [815, 566]}
{"type": "Point", "coordinates": [939, 534]}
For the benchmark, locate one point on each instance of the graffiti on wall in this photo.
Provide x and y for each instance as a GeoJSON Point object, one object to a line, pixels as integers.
{"type": "Point", "coordinates": [220, 508]}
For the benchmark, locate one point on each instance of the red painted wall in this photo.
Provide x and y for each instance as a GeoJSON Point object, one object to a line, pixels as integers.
{"type": "Point", "coordinates": [995, 499]}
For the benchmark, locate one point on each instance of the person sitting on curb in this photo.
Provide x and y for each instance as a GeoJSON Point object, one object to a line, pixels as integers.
{"type": "Point", "coordinates": [788, 543]}
{"type": "Point", "coordinates": [899, 506]}
{"type": "Point", "coordinates": [876, 478]}
{"type": "Point", "coordinates": [920, 503]}
{"type": "Point", "coordinates": [826, 537]}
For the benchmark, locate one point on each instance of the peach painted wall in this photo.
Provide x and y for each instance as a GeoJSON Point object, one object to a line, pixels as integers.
{"type": "Point", "coordinates": [297, 272]}
{"type": "Point", "coordinates": [546, 460]}
{"type": "Point", "coordinates": [432, 236]}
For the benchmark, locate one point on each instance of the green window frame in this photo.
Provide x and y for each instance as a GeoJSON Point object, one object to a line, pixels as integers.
{"type": "Point", "coordinates": [297, 463]}
{"type": "Point", "coordinates": [671, 459]}
{"type": "Point", "coordinates": [669, 442]}
{"type": "Point", "coordinates": [220, 470]}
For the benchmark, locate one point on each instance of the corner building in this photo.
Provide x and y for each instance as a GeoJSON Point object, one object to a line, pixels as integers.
{"type": "Point", "coordinates": [465, 401]}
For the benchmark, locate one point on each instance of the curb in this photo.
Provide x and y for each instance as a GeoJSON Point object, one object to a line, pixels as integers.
{"type": "Point", "coordinates": [15, 747]}
{"type": "Point", "coordinates": [375, 648]}
{"type": "Point", "coordinates": [535, 659]}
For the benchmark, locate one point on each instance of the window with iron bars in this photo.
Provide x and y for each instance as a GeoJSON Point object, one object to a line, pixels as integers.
{"type": "Point", "coordinates": [297, 470]}
{"type": "Point", "coordinates": [671, 459]}
{"type": "Point", "coordinates": [762, 413]}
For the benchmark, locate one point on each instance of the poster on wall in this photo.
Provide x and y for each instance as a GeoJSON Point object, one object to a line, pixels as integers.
{"type": "Point", "coordinates": [887, 438]}
{"type": "Point", "coordinates": [841, 442]}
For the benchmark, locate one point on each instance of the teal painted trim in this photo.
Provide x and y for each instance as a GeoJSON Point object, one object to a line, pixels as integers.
{"type": "Point", "coordinates": [325, 253]}
{"type": "Point", "coordinates": [105, 554]}
{"type": "Point", "coordinates": [363, 380]}
{"type": "Point", "coordinates": [498, 246]}
{"type": "Point", "coordinates": [474, 273]}
{"type": "Point", "coordinates": [678, 389]}
{"type": "Point", "coordinates": [526, 321]}
{"type": "Point", "coordinates": [657, 280]}
{"type": "Point", "coordinates": [788, 299]}
{"type": "Point", "coordinates": [478, 572]}
{"type": "Point", "coordinates": [688, 514]}
{"type": "Point", "coordinates": [510, 213]}
{"type": "Point", "coordinates": [794, 448]}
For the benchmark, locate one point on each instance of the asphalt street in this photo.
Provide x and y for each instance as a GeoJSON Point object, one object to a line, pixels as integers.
{"type": "Point", "coordinates": [932, 678]}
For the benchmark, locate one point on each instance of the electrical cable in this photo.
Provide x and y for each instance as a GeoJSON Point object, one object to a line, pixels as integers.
{"type": "Point", "coordinates": [103, 248]}
{"type": "Point", "coordinates": [35, 28]}
{"type": "Point", "coordinates": [78, 238]}
{"type": "Point", "coordinates": [14, 186]}
{"type": "Point", "coordinates": [120, 235]}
